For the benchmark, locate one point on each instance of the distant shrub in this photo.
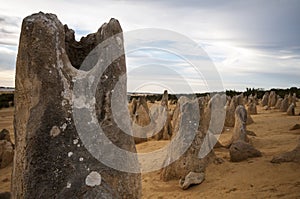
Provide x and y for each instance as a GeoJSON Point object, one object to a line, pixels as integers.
{"type": "Point", "coordinates": [6, 99]}
{"type": "Point", "coordinates": [254, 91]}
{"type": "Point", "coordinates": [260, 92]}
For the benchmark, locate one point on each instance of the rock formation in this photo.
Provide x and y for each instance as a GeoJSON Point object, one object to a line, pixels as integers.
{"type": "Point", "coordinates": [267, 108]}
{"type": "Point", "coordinates": [291, 109]}
{"type": "Point", "coordinates": [142, 119]}
{"type": "Point", "coordinates": [229, 120]}
{"type": "Point", "coordinates": [142, 102]}
{"type": "Point", "coordinates": [290, 98]}
{"type": "Point", "coordinates": [249, 119]}
{"type": "Point", "coordinates": [190, 167]}
{"type": "Point", "coordinates": [294, 99]}
{"type": "Point", "coordinates": [240, 149]}
{"type": "Point", "coordinates": [255, 99]}
{"type": "Point", "coordinates": [240, 99]}
{"type": "Point", "coordinates": [132, 108]}
{"type": "Point", "coordinates": [6, 149]}
{"type": "Point", "coordinates": [250, 98]}
{"type": "Point", "coordinates": [6, 153]}
{"type": "Point", "coordinates": [192, 178]}
{"type": "Point", "coordinates": [164, 100]}
{"type": "Point", "coordinates": [230, 110]}
{"type": "Point", "coordinates": [265, 99]}
{"type": "Point", "coordinates": [239, 130]}
{"type": "Point", "coordinates": [291, 156]}
{"type": "Point", "coordinates": [245, 100]}
{"type": "Point", "coordinates": [54, 160]}
{"type": "Point", "coordinates": [213, 119]}
{"type": "Point", "coordinates": [295, 127]}
{"type": "Point", "coordinates": [278, 103]}
{"type": "Point", "coordinates": [252, 110]}
{"type": "Point", "coordinates": [166, 132]}
{"type": "Point", "coordinates": [4, 135]}
{"type": "Point", "coordinates": [189, 161]}
{"type": "Point", "coordinates": [284, 104]}
{"type": "Point", "coordinates": [176, 114]}
{"type": "Point", "coordinates": [272, 99]}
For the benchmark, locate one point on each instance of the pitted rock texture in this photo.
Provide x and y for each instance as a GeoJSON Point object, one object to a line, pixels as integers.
{"type": "Point", "coordinates": [50, 160]}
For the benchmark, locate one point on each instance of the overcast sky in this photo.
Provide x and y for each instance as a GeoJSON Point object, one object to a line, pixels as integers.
{"type": "Point", "coordinates": [252, 43]}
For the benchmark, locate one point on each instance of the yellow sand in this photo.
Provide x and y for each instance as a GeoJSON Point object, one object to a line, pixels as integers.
{"type": "Point", "coordinates": [255, 178]}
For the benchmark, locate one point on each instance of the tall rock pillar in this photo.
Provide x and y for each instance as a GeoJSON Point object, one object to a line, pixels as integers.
{"type": "Point", "coordinates": [51, 159]}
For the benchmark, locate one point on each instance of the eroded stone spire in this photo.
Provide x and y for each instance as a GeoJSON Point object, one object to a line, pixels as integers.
{"type": "Point", "coordinates": [51, 160]}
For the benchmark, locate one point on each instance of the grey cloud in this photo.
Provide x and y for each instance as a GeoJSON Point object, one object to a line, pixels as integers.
{"type": "Point", "coordinates": [10, 29]}
{"type": "Point", "coordinates": [261, 25]}
{"type": "Point", "coordinates": [253, 22]}
{"type": "Point", "coordinates": [7, 58]}
{"type": "Point", "coordinates": [180, 3]}
{"type": "Point", "coordinates": [270, 28]}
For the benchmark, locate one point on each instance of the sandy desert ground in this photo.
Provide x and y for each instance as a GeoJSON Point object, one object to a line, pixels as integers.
{"type": "Point", "coordinates": [255, 178]}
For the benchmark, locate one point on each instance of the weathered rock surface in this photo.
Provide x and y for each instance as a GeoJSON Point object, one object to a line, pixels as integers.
{"type": "Point", "coordinates": [252, 99]}
{"type": "Point", "coordinates": [142, 102]}
{"type": "Point", "coordinates": [294, 99]}
{"type": "Point", "coordinates": [6, 149]}
{"type": "Point", "coordinates": [199, 153]}
{"type": "Point", "coordinates": [4, 135]}
{"type": "Point", "coordinates": [213, 119]}
{"type": "Point", "coordinates": [189, 161]}
{"type": "Point", "coordinates": [230, 110]}
{"type": "Point", "coordinates": [166, 132]}
{"type": "Point", "coordinates": [278, 103]}
{"type": "Point", "coordinates": [272, 99]}
{"type": "Point", "coordinates": [51, 160]}
{"type": "Point", "coordinates": [240, 150]}
{"type": "Point", "coordinates": [295, 127]}
{"type": "Point", "coordinates": [164, 100]}
{"type": "Point", "coordinates": [291, 156]}
{"type": "Point", "coordinates": [267, 108]}
{"type": "Point", "coordinates": [239, 130]}
{"type": "Point", "coordinates": [265, 99]}
{"type": "Point", "coordinates": [142, 119]}
{"type": "Point", "coordinates": [176, 114]}
{"type": "Point", "coordinates": [240, 100]}
{"type": "Point", "coordinates": [191, 179]}
{"type": "Point", "coordinates": [251, 133]}
{"type": "Point", "coordinates": [290, 98]}
{"type": "Point", "coordinates": [6, 153]}
{"type": "Point", "coordinates": [230, 118]}
{"type": "Point", "coordinates": [249, 119]}
{"type": "Point", "coordinates": [252, 110]}
{"type": "Point", "coordinates": [284, 105]}
{"type": "Point", "coordinates": [132, 108]}
{"type": "Point", "coordinates": [291, 110]}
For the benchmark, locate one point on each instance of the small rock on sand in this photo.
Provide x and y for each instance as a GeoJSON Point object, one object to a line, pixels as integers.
{"type": "Point", "coordinates": [192, 178]}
